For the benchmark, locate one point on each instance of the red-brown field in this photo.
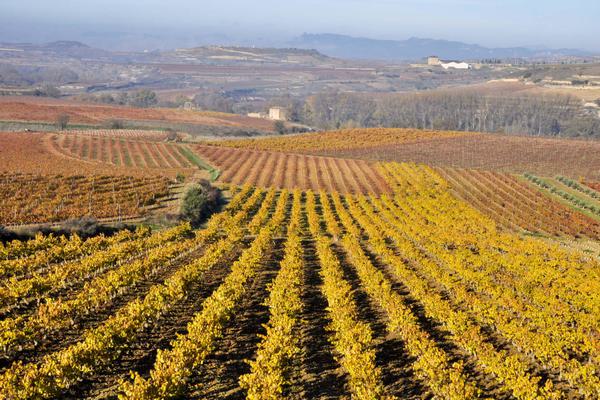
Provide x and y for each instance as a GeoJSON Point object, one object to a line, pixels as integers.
{"type": "Point", "coordinates": [121, 152]}
{"type": "Point", "coordinates": [282, 170]}
{"type": "Point", "coordinates": [517, 205]}
{"type": "Point", "coordinates": [48, 110]}
{"type": "Point", "coordinates": [518, 154]}
{"type": "Point", "coordinates": [593, 185]}
{"type": "Point", "coordinates": [38, 153]}
{"type": "Point", "coordinates": [123, 133]}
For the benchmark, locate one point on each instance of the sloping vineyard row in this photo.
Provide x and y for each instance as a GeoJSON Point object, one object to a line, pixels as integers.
{"type": "Point", "coordinates": [122, 152]}
{"type": "Point", "coordinates": [516, 274]}
{"type": "Point", "coordinates": [290, 171]}
{"type": "Point", "coordinates": [17, 249]}
{"type": "Point", "coordinates": [280, 347]}
{"type": "Point", "coordinates": [53, 251]}
{"type": "Point", "coordinates": [578, 199]}
{"type": "Point", "coordinates": [509, 369]}
{"type": "Point", "coordinates": [97, 347]}
{"type": "Point", "coordinates": [580, 187]}
{"type": "Point", "coordinates": [517, 205]}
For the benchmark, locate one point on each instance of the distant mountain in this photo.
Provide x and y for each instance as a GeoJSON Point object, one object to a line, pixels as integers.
{"type": "Point", "coordinates": [69, 50]}
{"type": "Point", "coordinates": [229, 54]}
{"type": "Point", "coordinates": [63, 49]}
{"type": "Point", "coordinates": [415, 48]}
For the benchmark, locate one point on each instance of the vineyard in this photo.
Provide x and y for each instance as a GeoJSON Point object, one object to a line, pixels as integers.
{"type": "Point", "coordinates": [121, 152]}
{"type": "Point", "coordinates": [514, 154]}
{"type": "Point", "coordinates": [123, 133]}
{"type": "Point", "coordinates": [289, 171]}
{"type": "Point", "coordinates": [342, 140]}
{"type": "Point", "coordinates": [32, 153]}
{"type": "Point", "coordinates": [517, 205]}
{"type": "Point", "coordinates": [593, 185]}
{"type": "Point", "coordinates": [26, 198]}
{"type": "Point", "coordinates": [408, 292]}
{"type": "Point", "coordinates": [581, 197]}
{"type": "Point", "coordinates": [47, 110]}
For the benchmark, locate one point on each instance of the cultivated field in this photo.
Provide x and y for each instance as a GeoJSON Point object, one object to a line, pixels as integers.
{"type": "Point", "coordinates": [593, 185]}
{"type": "Point", "coordinates": [122, 133]}
{"type": "Point", "coordinates": [33, 153]}
{"type": "Point", "coordinates": [411, 294]}
{"type": "Point", "coordinates": [122, 152]}
{"type": "Point", "coordinates": [40, 183]}
{"type": "Point", "coordinates": [47, 110]}
{"type": "Point", "coordinates": [41, 154]}
{"type": "Point", "coordinates": [27, 199]}
{"type": "Point", "coordinates": [341, 140]}
{"type": "Point", "coordinates": [518, 205]}
{"type": "Point", "coordinates": [281, 170]}
{"type": "Point", "coordinates": [517, 154]}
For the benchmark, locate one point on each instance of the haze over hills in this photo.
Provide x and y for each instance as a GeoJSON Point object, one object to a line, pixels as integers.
{"type": "Point", "coordinates": [343, 46]}
{"type": "Point", "coordinates": [327, 44]}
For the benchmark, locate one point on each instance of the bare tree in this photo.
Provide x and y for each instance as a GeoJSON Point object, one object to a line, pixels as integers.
{"type": "Point", "coordinates": [463, 110]}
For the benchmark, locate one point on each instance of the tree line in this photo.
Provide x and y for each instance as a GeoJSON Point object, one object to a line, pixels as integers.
{"type": "Point", "coordinates": [548, 115]}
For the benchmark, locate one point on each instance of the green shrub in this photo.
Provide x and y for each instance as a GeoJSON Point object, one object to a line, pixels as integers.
{"type": "Point", "coordinates": [200, 202]}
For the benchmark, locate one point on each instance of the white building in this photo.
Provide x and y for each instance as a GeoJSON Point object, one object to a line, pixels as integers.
{"type": "Point", "coordinates": [257, 115]}
{"type": "Point", "coordinates": [455, 65]}
{"type": "Point", "coordinates": [278, 114]}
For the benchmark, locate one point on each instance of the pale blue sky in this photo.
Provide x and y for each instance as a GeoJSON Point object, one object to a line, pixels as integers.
{"type": "Point", "coordinates": [554, 23]}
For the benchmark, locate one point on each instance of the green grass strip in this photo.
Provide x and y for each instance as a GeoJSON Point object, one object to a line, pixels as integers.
{"type": "Point", "coordinates": [200, 163]}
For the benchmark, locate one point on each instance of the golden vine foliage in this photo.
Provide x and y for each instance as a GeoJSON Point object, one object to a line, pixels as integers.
{"type": "Point", "coordinates": [26, 199]}
{"type": "Point", "coordinates": [521, 313]}
{"type": "Point", "coordinates": [174, 366]}
{"type": "Point", "coordinates": [352, 338]}
{"type": "Point", "coordinates": [280, 344]}
{"type": "Point", "coordinates": [341, 140]}
{"type": "Point", "coordinates": [540, 297]}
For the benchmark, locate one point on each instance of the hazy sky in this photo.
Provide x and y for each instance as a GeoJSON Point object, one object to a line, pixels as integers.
{"type": "Point", "coordinates": [554, 23]}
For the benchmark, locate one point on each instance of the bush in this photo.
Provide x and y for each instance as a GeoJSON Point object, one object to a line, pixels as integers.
{"type": "Point", "coordinates": [115, 124]}
{"type": "Point", "coordinates": [143, 98]}
{"type": "Point", "coordinates": [172, 136]}
{"type": "Point", "coordinates": [47, 91]}
{"type": "Point", "coordinates": [62, 121]}
{"type": "Point", "coordinates": [280, 127]}
{"type": "Point", "coordinates": [4, 235]}
{"type": "Point", "coordinates": [200, 202]}
{"type": "Point", "coordinates": [180, 177]}
{"type": "Point", "coordinates": [84, 227]}
{"type": "Point", "coordinates": [579, 82]}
